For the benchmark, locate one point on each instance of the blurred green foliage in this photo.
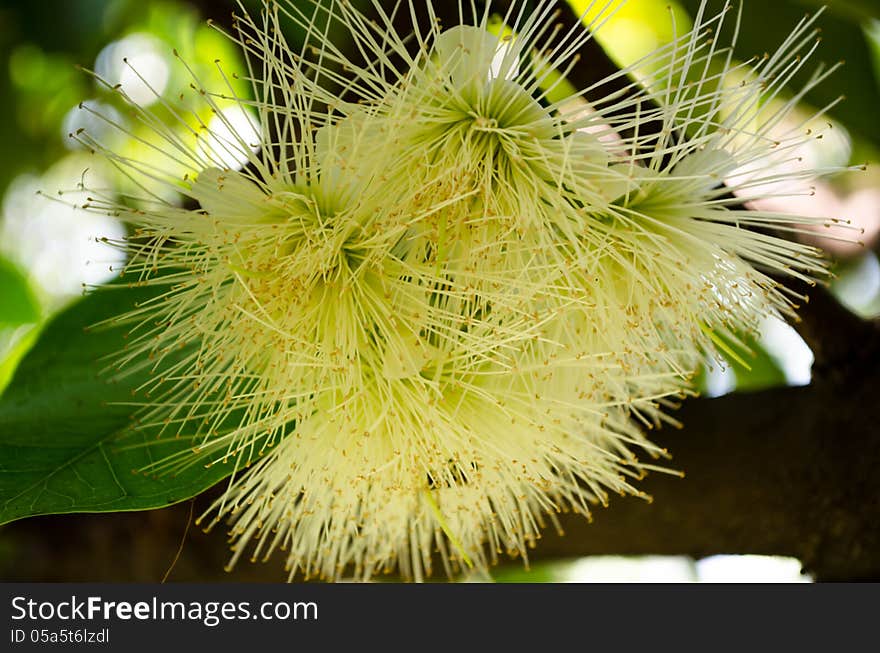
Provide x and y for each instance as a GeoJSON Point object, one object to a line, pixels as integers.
{"type": "Point", "coordinates": [18, 305]}
{"type": "Point", "coordinates": [47, 41]}
{"type": "Point", "coordinates": [46, 86]}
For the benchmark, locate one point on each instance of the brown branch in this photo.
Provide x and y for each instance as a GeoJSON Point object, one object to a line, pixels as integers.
{"type": "Point", "coordinates": [842, 343]}
{"type": "Point", "coordinates": [791, 471]}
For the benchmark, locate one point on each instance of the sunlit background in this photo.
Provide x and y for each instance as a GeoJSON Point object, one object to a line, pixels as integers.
{"type": "Point", "coordinates": [51, 249]}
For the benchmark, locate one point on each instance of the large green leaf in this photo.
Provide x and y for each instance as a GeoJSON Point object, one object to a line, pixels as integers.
{"type": "Point", "coordinates": [765, 25]}
{"type": "Point", "coordinates": [65, 445]}
{"type": "Point", "coordinates": [17, 302]}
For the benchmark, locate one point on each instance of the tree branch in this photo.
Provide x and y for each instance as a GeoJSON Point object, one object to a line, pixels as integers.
{"type": "Point", "coordinates": [790, 471]}
{"type": "Point", "coordinates": [842, 343]}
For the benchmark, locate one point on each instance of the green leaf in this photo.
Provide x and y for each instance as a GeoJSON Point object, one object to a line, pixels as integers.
{"type": "Point", "coordinates": [764, 372]}
{"type": "Point", "coordinates": [18, 305]}
{"type": "Point", "coordinates": [544, 572]}
{"type": "Point", "coordinates": [13, 355]}
{"type": "Point", "coordinates": [752, 365]}
{"type": "Point", "coordinates": [65, 446]}
{"type": "Point", "coordinates": [766, 24]}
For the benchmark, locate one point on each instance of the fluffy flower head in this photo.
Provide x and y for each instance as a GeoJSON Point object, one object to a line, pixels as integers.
{"type": "Point", "coordinates": [437, 307]}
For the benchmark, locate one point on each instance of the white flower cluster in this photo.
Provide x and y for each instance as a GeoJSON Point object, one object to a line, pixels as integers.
{"type": "Point", "coordinates": [436, 308]}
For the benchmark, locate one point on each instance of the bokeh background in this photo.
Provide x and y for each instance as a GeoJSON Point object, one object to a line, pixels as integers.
{"type": "Point", "coordinates": [50, 250]}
